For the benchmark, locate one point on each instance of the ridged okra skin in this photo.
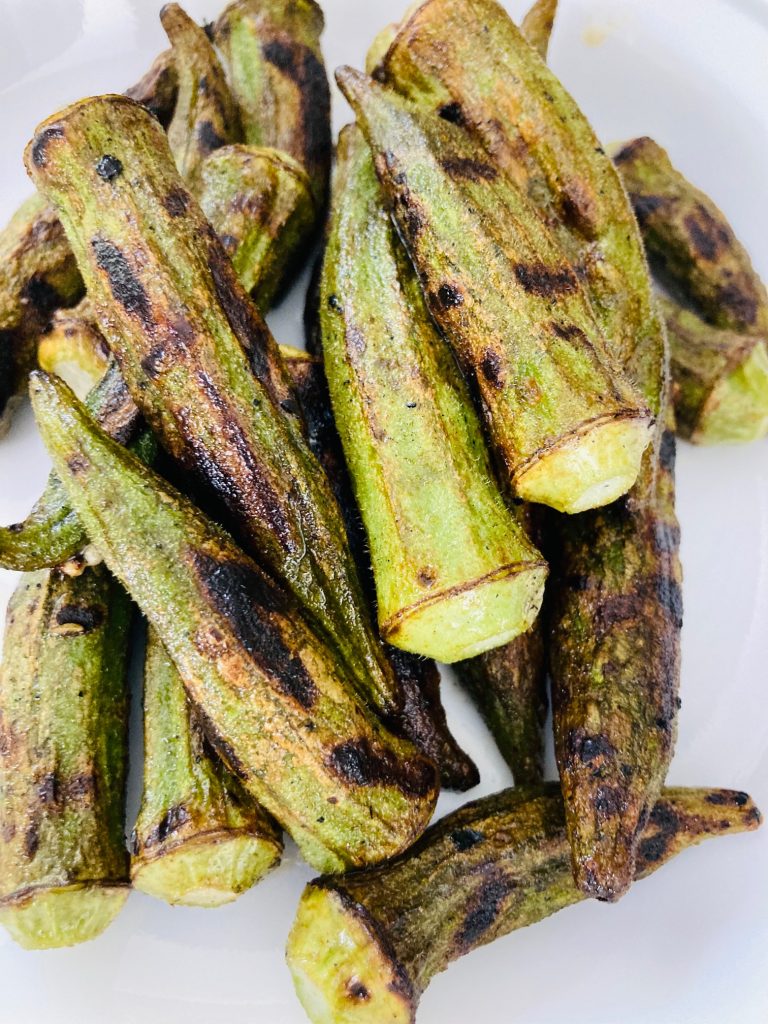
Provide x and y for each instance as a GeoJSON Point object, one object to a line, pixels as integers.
{"type": "Point", "coordinates": [455, 575]}
{"type": "Point", "coordinates": [63, 758]}
{"type": "Point", "coordinates": [418, 678]}
{"type": "Point", "coordinates": [567, 425]}
{"type": "Point", "coordinates": [38, 273]}
{"type": "Point", "coordinates": [205, 116]}
{"type": "Point", "coordinates": [690, 244]}
{"type": "Point", "coordinates": [271, 52]}
{"type": "Point", "coordinates": [199, 839]}
{"type": "Point", "coordinates": [272, 697]}
{"type": "Point", "coordinates": [537, 25]}
{"type": "Point", "coordinates": [200, 362]}
{"type": "Point", "coordinates": [260, 203]}
{"type": "Point", "coordinates": [365, 946]}
{"type": "Point", "coordinates": [720, 379]}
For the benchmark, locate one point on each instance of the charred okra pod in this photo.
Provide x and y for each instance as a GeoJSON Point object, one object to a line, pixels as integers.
{"type": "Point", "coordinates": [454, 573]}
{"type": "Point", "coordinates": [199, 840]}
{"type": "Point", "coordinates": [201, 364]}
{"type": "Point", "coordinates": [273, 699]}
{"type": "Point", "coordinates": [691, 245]}
{"type": "Point", "coordinates": [720, 379]}
{"type": "Point", "coordinates": [565, 422]}
{"type": "Point", "coordinates": [418, 678]}
{"type": "Point", "coordinates": [206, 115]}
{"type": "Point", "coordinates": [365, 946]}
{"type": "Point", "coordinates": [537, 25]}
{"type": "Point", "coordinates": [63, 757]}
{"type": "Point", "coordinates": [260, 204]}
{"type": "Point", "coordinates": [158, 88]}
{"type": "Point", "coordinates": [271, 51]}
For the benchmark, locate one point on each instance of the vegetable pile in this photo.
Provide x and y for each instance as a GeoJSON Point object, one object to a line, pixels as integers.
{"type": "Point", "coordinates": [473, 463]}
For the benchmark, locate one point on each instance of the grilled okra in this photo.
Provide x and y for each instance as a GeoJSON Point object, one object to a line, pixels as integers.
{"type": "Point", "coordinates": [199, 839]}
{"type": "Point", "coordinates": [365, 946]}
{"type": "Point", "coordinates": [565, 422]}
{"type": "Point", "coordinates": [271, 52]}
{"type": "Point", "coordinates": [690, 244]}
{"type": "Point", "coordinates": [537, 25]}
{"type": "Point", "coordinates": [74, 349]}
{"type": "Point", "coordinates": [158, 88]}
{"type": "Point", "coordinates": [454, 573]}
{"type": "Point", "coordinates": [201, 364]}
{"type": "Point", "coordinates": [63, 757]}
{"type": "Point", "coordinates": [273, 699]}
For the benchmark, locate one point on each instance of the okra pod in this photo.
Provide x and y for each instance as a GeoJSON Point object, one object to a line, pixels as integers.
{"type": "Point", "coordinates": [365, 946]}
{"type": "Point", "coordinates": [271, 52]}
{"type": "Point", "coordinates": [537, 25]}
{"type": "Point", "coordinates": [201, 364]}
{"type": "Point", "coordinates": [63, 758]}
{"type": "Point", "coordinates": [206, 115]}
{"type": "Point", "coordinates": [454, 573]}
{"type": "Point", "coordinates": [74, 349]}
{"type": "Point", "coordinates": [691, 245]}
{"type": "Point", "coordinates": [418, 678]}
{"type": "Point", "coordinates": [720, 379]}
{"type": "Point", "coordinates": [565, 422]}
{"type": "Point", "coordinates": [199, 839]}
{"type": "Point", "coordinates": [273, 699]}
{"type": "Point", "coordinates": [260, 203]}
{"type": "Point", "coordinates": [158, 88]}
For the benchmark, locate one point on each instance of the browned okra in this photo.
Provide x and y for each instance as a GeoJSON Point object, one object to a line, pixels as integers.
{"type": "Point", "coordinates": [537, 25]}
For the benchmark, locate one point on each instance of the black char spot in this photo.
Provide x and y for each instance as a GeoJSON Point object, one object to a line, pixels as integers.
{"type": "Point", "coordinates": [243, 596]}
{"type": "Point", "coordinates": [88, 617]}
{"type": "Point", "coordinates": [462, 168]}
{"type": "Point", "coordinates": [40, 295]}
{"type": "Point", "coordinates": [670, 596]}
{"type": "Point", "coordinates": [31, 840]}
{"type": "Point", "coordinates": [608, 801]}
{"type": "Point", "coordinates": [171, 822]}
{"type": "Point", "coordinates": [490, 367]}
{"type": "Point", "coordinates": [208, 137]}
{"type": "Point", "coordinates": [356, 990]}
{"type": "Point", "coordinates": [485, 908]}
{"type": "Point", "coordinates": [566, 331]}
{"type": "Point", "coordinates": [125, 286]}
{"type": "Point", "coordinates": [301, 65]}
{"type": "Point", "coordinates": [645, 206]}
{"type": "Point", "coordinates": [743, 305]}
{"type": "Point", "coordinates": [39, 146]}
{"type": "Point", "coordinates": [452, 112]}
{"type": "Point", "coordinates": [465, 838]}
{"type": "Point", "coordinates": [334, 304]}
{"type": "Point", "coordinates": [176, 202]}
{"type": "Point", "coordinates": [708, 235]}
{"type": "Point", "coordinates": [667, 451]}
{"type": "Point", "coordinates": [726, 798]}
{"type": "Point", "coordinates": [547, 282]}
{"type": "Point", "coordinates": [449, 296]}
{"type": "Point", "coordinates": [109, 167]}
{"type": "Point", "coordinates": [589, 749]}
{"type": "Point", "coordinates": [358, 764]}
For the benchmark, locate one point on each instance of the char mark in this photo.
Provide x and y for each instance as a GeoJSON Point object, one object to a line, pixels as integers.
{"type": "Point", "coordinates": [453, 113]}
{"type": "Point", "coordinates": [109, 167]}
{"type": "Point", "coordinates": [490, 367]}
{"type": "Point", "coordinates": [739, 300]}
{"type": "Point", "coordinates": [86, 617]}
{"type": "Point", "coordinates": [546, 282]}
{"type": "Point", "coordinates": [124, 284]}
{"type": "Point", "coordinates": [484, 910]}
{"type": "Point", "coordinates": [357, 763]}
{"type": "Point", "coordinates": [302, 66]}
{"type": "Point", "coordinates": [40, 145]}
{"type": "Point", "coordinates": [176, 202]}
{"type": "Point", "coordinates": [646, 206]}
{"type": "Point", "coordinates": [667, 451]}
{"type": "Point", "coordinates": [465, 838]}
{"type": "Point", "coordinates": [41, 296]}
{"type": "Point", "coordinates": [208, 137]}
{"type": "Point", "coordinates": [171, 822]}
{"type": "Point", "coordinates": [462, 168]}
{"type": "Point", "coordinates": [727, 798]}
{"type": "Point", "coordinates": [709, 236]}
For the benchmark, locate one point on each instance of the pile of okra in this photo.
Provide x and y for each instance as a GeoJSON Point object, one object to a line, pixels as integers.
{"type": "Point", "coordinates": [472, 463]}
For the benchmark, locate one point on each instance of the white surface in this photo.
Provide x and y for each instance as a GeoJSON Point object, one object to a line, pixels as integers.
{"type": "Point", "coordinates": [689, 946]}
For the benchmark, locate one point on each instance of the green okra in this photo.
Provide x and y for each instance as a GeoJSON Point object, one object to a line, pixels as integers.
{"type": "Point", "coordinates": [206, 116]}
{"type": "Point", "coordinates": [418, 678]}
{"type": "Point", "coordinates": [454, 573]}
{"type": "Point", "coordinates": [274, 700]}
{"type": "Point", "coordinates": [271, 52]}
{"type": "Point", "coordinates": [565, 422]}
{"type": "Point", "coordinates": [260, 203]}
{"type": "Point", "coordinates": [537, 25]}
{"type": "Point", "coordinates": [720, 379]}
{"type": "Point", "coordinates": [201, 364]}
{"type": "Point", "coordinates": [158, 88]}
{"type": "Point", "coordinates": [63, 758]}
{"type": "Point", "coordinates": [691, 245]}
{"type": "Point", "coordinates": [365, 946]}
{"type": "Point", "coordinates": [199, 839]}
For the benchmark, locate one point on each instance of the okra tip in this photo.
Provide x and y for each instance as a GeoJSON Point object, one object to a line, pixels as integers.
{"type": "Point", "coordinates": [65, 916]}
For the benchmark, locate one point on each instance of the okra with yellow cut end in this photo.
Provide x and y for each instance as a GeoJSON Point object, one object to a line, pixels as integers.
{"type": "Point", "coordinates": [199, 839]}
{"type": "Point", "coordinates": [74, 349]}
{"type": "Point", "coordinates": [260, 203]}
{"type": "Point", "coordinates": [275, 702]}
{"type": "Point", "coordinates": [565, 422]}
{"type": "Point", "coordinates": [365, 946]}
{"type": "Point", "coordinates": [720, 379]}
{"type": "Point", "coordinates": [537, 25]}
{"type": "Point", "coordinates": [206, 115]}
{"type": "Point", "coordinates": [201, 365]}
{"type": "Point", "coordinates": [418, 678]}
{"type": "Point", "coordinates": [691, 245]}
{"type": "Point", "coordinates": [271, 52]}
{"type": "Point", "coordinates": [63, 758]}
{"type": "Point", "coordinates": [455, 575]}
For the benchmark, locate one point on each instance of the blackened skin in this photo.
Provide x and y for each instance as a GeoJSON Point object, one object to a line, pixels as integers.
{"type": "Point", "coordinates": [109, 167]}
{"type": "Point", "coordinates": [88, 617]}
{"type": "Point", "coordinates": [40, 144]}
{"type": "Point", "coordinates": [490, 367]}
{"type": "Point", "coordinates": [465, 168]}
{"type": "Point", "coordinates": [538, 279]}
{"type": "Point", "coordinates": [124, 284]}
{"type": "Point", "coordinates": [484, 910]}
{"type": "Point", "coordinates": [176, 202]}
{"type": "Point", "coordinates": [171, 821]}
{"type": "Point", "coordinates": [357, 763]}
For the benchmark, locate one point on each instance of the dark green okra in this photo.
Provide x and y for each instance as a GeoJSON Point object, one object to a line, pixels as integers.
{"type": "Point", "coordinates": [418, 678]}
{"type": "Point", "coordinates": [275, 702]}
{"type": "Point", "coordinates": [690, 244]}
{"type": "Point", "coordinates": [537, 25]}
{"type": "Point", "coordinates": [271, 51]}
{"type": "Point", "coordinates": [199, 840]}
{"type": "Point", "coordinates": [63, 758]}
{"type": "Point", "coordinates": [720, 379]}
{"type": "Point", "coordinates": [566, 424]}
{"type": "Point", "coordinates": [365, 946]}
{"type": "Point", "coordinates": [454, 572]}
{"type": "Point", "coordinates": [201, 364]}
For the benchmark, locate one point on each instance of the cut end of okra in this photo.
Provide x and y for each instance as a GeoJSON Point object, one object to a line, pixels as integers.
{"type": "Point", "coordinates": [341, 972]}
{"type": "Point", "coordinates": [589, 469]}
{"type": "Point", "coordinates": [64, 916]}
{"type": "Point", "coordinates": [464, 621]}
{"type": "Point", "coordinates": [737, 408]}
{"type": "Point", "coordinates": [208, 872]}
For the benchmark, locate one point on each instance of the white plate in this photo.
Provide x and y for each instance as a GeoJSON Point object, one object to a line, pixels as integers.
{"type": "Point", "coordinates": [689, 945]}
